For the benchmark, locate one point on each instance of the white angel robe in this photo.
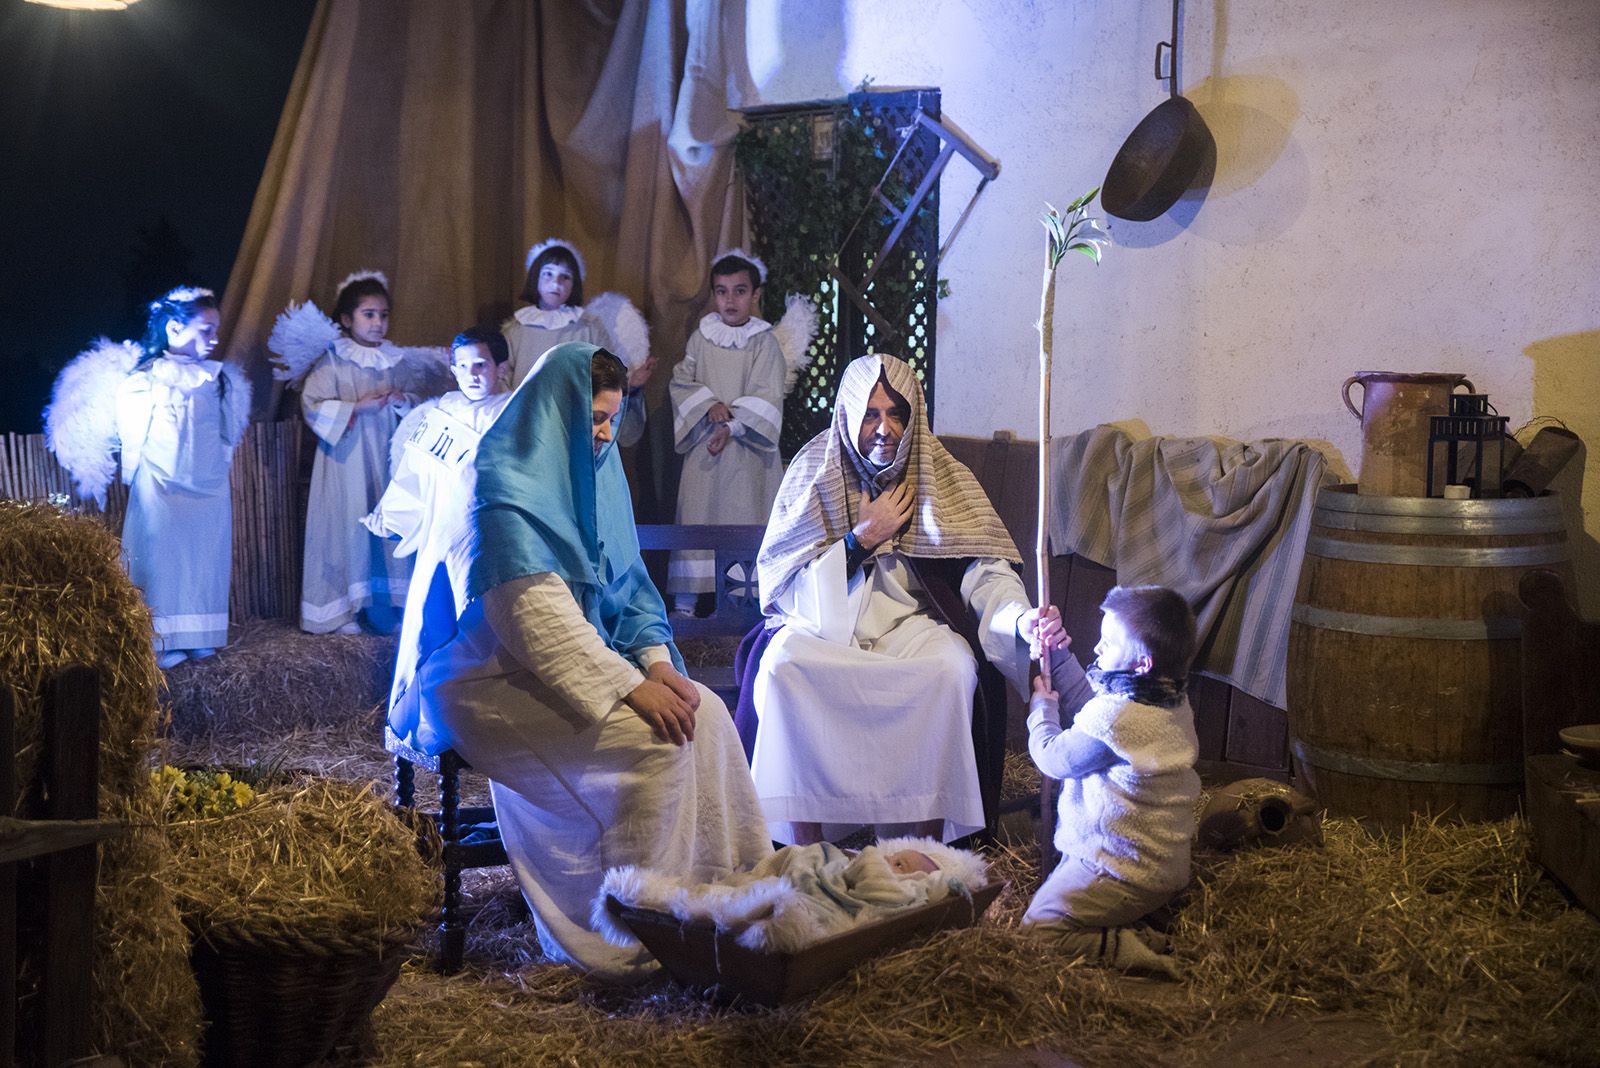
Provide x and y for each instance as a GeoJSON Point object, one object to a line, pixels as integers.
{"type": "Point", "coordinates": [533, 331]}
{"type": "Point", "coordinates": [866, 700]}
{"type": "Point", "coordinates": [743, 367]}
{"type": "Point", "coordinates": [346, 568]}
{"type": "Point", "coordinates": [178, 435]}
{"type": "Point", "coordinates": [531, 696]}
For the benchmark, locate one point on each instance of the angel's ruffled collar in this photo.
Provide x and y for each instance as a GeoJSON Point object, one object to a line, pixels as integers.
{"type": "Point", "coordinates": [724, 336]}
{"type": "Point", "coordinates": [549, 318]}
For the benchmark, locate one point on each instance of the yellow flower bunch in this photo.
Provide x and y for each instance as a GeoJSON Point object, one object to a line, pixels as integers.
{"type": "Point", "coordinates": [200, 792]}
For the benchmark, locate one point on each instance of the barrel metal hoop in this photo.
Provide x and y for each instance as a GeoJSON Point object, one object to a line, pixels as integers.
{"type": "Point", "coordinates": [1454, 630]}
{"type": "Point", "coordinates": [1404, 770]}
{"type": "Point", "coordinates": [1437, 555]}
{"type": "Point", "coordinates": [1341, 500]}
{"type": "Point", "coordinates": [1439, 526]}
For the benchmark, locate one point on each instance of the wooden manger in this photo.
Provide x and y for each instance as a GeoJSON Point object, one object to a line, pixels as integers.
{"type": "Point", "coordinates": [696, 954]}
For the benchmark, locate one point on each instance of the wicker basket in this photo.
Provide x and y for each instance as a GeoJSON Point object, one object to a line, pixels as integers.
{"type": "Point", "coordinates": [275, 1001]}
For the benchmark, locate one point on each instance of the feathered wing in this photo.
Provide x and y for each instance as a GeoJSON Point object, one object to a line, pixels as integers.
{"type": "Point", "coordinates": [426, 370]}
{"type": "Point", "coordinates": [235, 404]}
{"type": "Point", "coordinates": [794, 334]}
{"type": "Point", "coordinates": [80, 424]}
{"type": "Point", "coordinates": [299, 335]}
{"type": "Point", "coordinates": [625, 325]}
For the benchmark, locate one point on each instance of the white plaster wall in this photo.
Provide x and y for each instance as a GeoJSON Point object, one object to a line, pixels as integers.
{"type": "Point", "coordinates": [1400, 186]}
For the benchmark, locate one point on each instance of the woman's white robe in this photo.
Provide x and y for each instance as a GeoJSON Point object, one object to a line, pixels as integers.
{"type": "Point", "coordinates": [866, 700]}
{"type": "Point", "coordinates": [532, 697]}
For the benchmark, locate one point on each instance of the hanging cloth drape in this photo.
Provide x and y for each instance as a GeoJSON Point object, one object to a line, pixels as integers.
{"type": "Point", "coordinates": [437, 142]}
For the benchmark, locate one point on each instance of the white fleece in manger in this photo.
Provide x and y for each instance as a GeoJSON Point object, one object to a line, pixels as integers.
{"type": "Point", "coordinates": [797, 896]}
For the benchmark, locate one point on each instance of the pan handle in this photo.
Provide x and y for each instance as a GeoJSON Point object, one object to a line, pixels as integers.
{"type": "Point", "coordinates": [1171, 77]}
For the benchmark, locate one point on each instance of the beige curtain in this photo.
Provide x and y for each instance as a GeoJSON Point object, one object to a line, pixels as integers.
{"type": "Point", "coordinates": [436, 140]}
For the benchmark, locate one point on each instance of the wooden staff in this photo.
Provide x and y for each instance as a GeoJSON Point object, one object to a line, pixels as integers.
{"type": "Point", "coordinates": [1071, 232]}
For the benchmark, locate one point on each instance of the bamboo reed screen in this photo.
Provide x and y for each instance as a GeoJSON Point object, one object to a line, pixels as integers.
{"type": "Point", "coordinates": [267, 526]}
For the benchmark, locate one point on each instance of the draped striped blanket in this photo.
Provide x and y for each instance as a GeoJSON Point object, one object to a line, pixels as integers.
{"type": "Point", "coordinates": [1222, 522]}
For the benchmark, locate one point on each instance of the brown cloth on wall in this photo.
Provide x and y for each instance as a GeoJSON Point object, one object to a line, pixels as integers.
{"type": "Point", "coordinates": [438, 141]}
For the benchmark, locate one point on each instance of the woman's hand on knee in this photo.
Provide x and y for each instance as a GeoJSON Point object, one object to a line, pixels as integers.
{"type": "Point", "coordinates": [663, 672]}
{"type": "Point", "coordinates": [668, 714]}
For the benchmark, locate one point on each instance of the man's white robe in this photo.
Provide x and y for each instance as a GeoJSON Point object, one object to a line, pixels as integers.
{"type": "Point", "coordinates": [865, 699]}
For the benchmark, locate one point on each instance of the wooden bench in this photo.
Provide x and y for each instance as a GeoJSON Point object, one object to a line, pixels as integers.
{"type": "Point", "coordinates": [470, 837]}
{"type": "Point", "coordinates": [709, 642]}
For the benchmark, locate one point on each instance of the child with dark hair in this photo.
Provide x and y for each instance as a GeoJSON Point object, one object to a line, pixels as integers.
{"type": "Point", "coordinates": [354, 396]}
{"type": "Point", "coordinates": [179, 416]}
{"type": "Point", "coordinates": [557, 313]}
{"type": "Point", "coordinates": [1127, 810]}
{"type": "Point", "coordinates": [727, 404]}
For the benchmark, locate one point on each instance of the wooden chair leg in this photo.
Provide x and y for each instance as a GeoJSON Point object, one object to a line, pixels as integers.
{"type": "Point", "coordinates": [452, 932]}
{"type": "Point", "coordinates": [405, 782]}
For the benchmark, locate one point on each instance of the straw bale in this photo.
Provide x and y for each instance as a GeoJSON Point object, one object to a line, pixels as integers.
{"type": "Point", "coordinates": [272, 678]}
{"type": "Point", "coordinates": [314, 861]}
{"type": "Point", "coordinates": [65, 599]}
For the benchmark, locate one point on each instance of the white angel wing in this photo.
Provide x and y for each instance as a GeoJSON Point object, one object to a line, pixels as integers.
{"type": "Point", "coordinates": [80, 423]}
{"type": "Point", "coordinates": [427, 369]}
{"type": "Point", "coordinates": [794, 334]}
{"type": "Point", "coordinates": [236, 391]}
{"type": "Point", "coordinates": [300, 334]}
{"type": "Point", "coordinates": [625, 325]}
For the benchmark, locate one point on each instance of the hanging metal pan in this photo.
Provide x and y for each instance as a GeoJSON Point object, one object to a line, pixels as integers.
{"type": "Point", "coordinates": [1165, 152]}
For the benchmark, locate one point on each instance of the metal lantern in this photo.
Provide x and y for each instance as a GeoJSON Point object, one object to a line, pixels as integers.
{"type": "Point", "coordinates": [1469, 423]}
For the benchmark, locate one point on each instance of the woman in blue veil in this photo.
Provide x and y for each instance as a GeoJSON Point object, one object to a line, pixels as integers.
{"type": "Point", "coordinates": [546, 661]}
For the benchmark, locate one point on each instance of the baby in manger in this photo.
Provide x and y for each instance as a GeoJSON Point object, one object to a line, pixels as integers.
{"type": "Point", "coordinates": [801, 893]}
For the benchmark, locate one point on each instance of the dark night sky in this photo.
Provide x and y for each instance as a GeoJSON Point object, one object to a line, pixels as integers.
{"type": "Point", "coordinates": [110, 121]}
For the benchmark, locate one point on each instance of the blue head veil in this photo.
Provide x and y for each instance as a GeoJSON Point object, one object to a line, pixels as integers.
{"type": "Point", "coordinates": [546, 502]}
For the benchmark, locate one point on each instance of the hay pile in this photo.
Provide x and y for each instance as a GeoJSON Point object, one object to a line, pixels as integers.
{"type": "Point", "coordinates": [65, 599]}
{"type": "Point", "coordinates": [1449, 933]}
{"type": "Point", "coordinates": [272, 678]}
{"type": "Point", "coordinates": [315, 861]}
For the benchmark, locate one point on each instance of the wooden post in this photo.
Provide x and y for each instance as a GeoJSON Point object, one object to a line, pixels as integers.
{"type": "Point", "coordinates": [71, 716]}
{"type": "Point", "coordinates": [8, 884]}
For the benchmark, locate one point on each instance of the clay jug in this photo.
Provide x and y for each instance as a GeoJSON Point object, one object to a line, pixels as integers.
{"type": "Point", "coordinates": [1394, 412]}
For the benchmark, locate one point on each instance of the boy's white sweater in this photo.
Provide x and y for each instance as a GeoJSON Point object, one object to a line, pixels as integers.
{"type": "Point", "coordinates": [1131, 813]}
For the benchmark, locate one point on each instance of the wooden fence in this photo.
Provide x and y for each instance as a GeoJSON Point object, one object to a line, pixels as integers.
{"type": "Point", "coordinates": [267, 526]}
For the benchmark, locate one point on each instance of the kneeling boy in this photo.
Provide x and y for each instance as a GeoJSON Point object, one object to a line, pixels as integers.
{"type": "Point", "coordinates": [1126, 814]}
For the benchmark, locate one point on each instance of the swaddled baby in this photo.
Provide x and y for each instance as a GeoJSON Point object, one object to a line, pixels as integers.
{"type": "Point", "coordinates": [800, 894]}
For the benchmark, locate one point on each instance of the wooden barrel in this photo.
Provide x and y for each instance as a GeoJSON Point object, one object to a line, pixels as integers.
{"type": "Point", "coordinates": [1404, 661]}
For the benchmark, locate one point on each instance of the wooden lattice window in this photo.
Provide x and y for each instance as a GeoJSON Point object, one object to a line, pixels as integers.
{"type": "Point", "coordinates": [812, 176]}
